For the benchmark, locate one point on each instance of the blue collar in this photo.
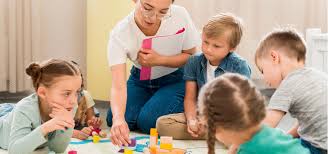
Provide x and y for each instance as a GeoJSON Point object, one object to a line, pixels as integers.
{"type": "Point", "coordinates": [222, 65]}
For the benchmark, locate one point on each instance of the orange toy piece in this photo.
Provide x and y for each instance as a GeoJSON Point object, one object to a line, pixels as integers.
{"type": "Point", "coordinates": [153, 138]}
{"type": "Point", "coordinates": [156, 150]}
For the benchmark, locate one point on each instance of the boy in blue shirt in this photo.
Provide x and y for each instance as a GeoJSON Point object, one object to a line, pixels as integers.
{"type": "Point", "coordinates": [220, 37]}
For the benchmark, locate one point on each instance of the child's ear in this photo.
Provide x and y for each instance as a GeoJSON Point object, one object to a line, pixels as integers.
{"type": "Point", "coordinates": [275, 56]}
{"type": "Point", "coordinates": [41, 92]}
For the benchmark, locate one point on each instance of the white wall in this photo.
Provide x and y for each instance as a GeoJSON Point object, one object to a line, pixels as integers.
{"type": "Point", "coordinates": [63, 30]}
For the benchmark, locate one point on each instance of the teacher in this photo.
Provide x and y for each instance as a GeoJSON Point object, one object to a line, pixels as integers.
{"type": "Point", "coordinates": [136, 104]}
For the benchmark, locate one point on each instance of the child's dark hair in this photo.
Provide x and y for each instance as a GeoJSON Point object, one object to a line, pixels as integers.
{"type": "Point", "coordinates": [45, 72]}
{"type": "Point", "coordinates": [286, 40]}
{"type": "Point", "coordinates": [230, 102]}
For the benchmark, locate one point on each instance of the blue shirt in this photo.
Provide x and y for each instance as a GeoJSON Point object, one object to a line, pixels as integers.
{"type": "Point", "coordinates": [272, 141]}
{"type": "Point", "coordinates": [195, 68]}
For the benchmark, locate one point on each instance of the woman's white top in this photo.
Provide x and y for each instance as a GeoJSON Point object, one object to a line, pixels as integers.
{"type": "Point", "coordinates": [126, 39]}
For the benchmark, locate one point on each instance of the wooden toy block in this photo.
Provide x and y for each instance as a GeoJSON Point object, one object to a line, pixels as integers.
{"type": "Point", "coordinates": [133, 143]}
{"type": "Point", "coordinates": [128, 151]}
{"type": "Point", "coordinates": [166, 146]}
{"type": "Point", "coordinates": [153, 138]}
{"type": "Point", "coordinates": [152, 149]}
{"type": "Point", "coordinates": [166, 139]}
{"type": "Point", "coordinates": [72, 152]}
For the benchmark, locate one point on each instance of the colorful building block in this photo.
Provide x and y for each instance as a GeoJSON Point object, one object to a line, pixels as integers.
{"type": "Point", "coordinates": [166, 143]}
{"type": "Point", "coordinates": [128, 151]}
{"type": "Point", "coordinates": [133, 143]}
{"type": "Point", "coordinates": [95, 139]}
{"type": "Point", "coordinates": [72, 152]}
{"type": "Point", "coordinates": [153, 138]}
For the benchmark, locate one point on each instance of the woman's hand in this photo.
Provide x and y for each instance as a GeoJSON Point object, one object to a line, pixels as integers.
{"type": "Point", "coordinates": [149, 57]}
{"type": "Point", "coordinates": [119, 132]}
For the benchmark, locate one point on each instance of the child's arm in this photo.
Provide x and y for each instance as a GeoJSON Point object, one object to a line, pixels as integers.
{"type": "Point", "coordinates": [273, 117]}
{"type": "Point", "coordinates": [190, 106]}
{"type": "Point", "coordinates": [293, 130]}
{"type": "Point", "coordinates": [23, 136]}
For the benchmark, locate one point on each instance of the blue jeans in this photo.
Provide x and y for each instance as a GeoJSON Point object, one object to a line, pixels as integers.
{"type": "Point", "coordinates": [149, 99]}
{"type": "Point", "coordinates": [313, 149]}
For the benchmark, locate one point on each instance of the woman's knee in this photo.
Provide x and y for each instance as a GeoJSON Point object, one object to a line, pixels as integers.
{"type": "Point", "coordinates": [146, 121]}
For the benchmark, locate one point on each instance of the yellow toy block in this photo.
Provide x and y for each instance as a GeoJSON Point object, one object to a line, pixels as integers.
{"type": "Point", "coordinates": [166, 146]}
{"type": "Point", "coordinates": [96, 139]}
{"type": "Point", "coordinates": [153, 131]}
{"type": "Point", "coordinates": [128, 151]}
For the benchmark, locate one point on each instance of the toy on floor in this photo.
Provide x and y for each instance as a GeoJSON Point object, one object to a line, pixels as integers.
{"type": "Point", "coordinates": [165, 145]}
{"type": "Point", "coordinates": [127, 151]}
{"type": "Point", "coordinates": [95, 139]}
{"type": "Point", "coordinates": [153, 139]}
{"type": "Point", "coordinates": [131, 146]}
{"type": "Point", "coordinates": [98, 132]}
{"type": "Point", "coordinates": [72, 152]}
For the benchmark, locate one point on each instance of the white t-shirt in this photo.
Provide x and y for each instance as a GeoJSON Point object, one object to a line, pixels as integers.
{"type": "Point", "coordinates": [126, 38]}
{"type": "Point", "coordinates": [210, 71]}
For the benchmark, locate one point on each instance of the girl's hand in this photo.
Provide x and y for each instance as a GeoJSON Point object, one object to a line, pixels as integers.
{"type": "Point", "coordinates": [80, 135]}
{"type": "Point", "coordinates": [56, 123]}
{"type": "Point", "coordinates": [61, 120]}
{"type": "Point", "coordinates": [60, 111]}
{"type": "Point", "coordinates": [149, 57]}
{"type": "Point", "coordinates": [87, 130]}
{"type": "Point", "coordinates": [119, 132]}
{"type": "Point", "coordinates": [95, 122]}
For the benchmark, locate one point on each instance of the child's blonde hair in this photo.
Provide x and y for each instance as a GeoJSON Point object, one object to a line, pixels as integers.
{"type": "Point", "coordinates": [222, 23]}
{"type": "Point", "coordinates": [285, 40]}
{"type": "Point", "coordinates": [230, 102]}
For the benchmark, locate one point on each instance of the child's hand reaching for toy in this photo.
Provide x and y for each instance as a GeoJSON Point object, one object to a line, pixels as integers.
{"type": "Point", "coordinates": [79, 134]}
{"type": "Point", "coordinates": [87, 130]}
{"type": "Point", "coordinates": [95, 122]}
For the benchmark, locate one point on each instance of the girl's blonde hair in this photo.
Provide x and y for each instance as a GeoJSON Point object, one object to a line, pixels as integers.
{"type": "Point", "coordinates": [230, 102]}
